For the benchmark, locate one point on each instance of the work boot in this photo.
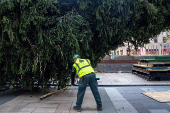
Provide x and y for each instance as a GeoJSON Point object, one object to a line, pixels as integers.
{"type": "Point", "coordinates": [75, 108]}
{"type": "Point", "coordinates": [99, 108]}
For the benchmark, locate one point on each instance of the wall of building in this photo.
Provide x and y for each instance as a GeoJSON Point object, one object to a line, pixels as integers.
{"type": "Point", "coordinates": [159, 45]}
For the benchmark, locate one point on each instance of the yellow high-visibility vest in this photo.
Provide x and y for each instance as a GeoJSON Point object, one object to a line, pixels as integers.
{"type": "Point", "coordinates": [83, 67]}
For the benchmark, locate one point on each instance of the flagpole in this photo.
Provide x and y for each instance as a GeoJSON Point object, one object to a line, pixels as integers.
{"type": "Point", "coordinates": [156, 50]}
{"type": "Point", "coordinates": [161, 49]}
{"type": "Point", "coordinates": [153, 50]}
{"type": "Point", "coordinates": [148, 49]}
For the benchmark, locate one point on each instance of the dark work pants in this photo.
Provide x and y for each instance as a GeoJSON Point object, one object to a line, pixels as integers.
{"type": "Point", "coordinates": [88, 79]}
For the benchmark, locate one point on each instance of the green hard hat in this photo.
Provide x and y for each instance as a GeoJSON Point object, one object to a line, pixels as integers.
{"type": "Point", "coordinates": [76, 56]}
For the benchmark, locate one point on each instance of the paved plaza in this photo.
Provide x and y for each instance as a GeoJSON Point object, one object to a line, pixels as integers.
{"type": "Point", "coordinates": [120, 93]}
{"type": "Point", "coordinates": [126, 79]}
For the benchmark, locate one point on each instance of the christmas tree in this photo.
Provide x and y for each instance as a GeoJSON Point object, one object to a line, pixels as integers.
{"type": "Point", "coordinates": [40, 37]}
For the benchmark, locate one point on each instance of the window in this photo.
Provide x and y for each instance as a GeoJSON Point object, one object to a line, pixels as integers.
{"type": "Point", "coordinates": [117, 52]}
{"type": "Point", "coordinates": [121, 52]}
{"type": "Point", "coordinates": [155, 40]}
{"type": "Point", "coordinates": [114, 52]}
{"type": "Point", "coordinates": [165, 39]}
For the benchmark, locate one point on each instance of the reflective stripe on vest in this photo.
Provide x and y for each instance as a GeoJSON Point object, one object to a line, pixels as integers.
{"type": "Point", "coordinates": [83, 66]}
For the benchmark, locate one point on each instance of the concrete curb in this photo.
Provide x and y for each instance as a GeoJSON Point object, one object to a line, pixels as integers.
{"type": "Point", "coordinates": [159, 84]}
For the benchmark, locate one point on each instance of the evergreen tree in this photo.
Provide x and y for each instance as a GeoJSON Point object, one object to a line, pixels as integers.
{"type": "Point", "coordinates": [38, 38]}
{"type": "Point", "coordinates": [114, 21]}
{"type": "Point", "coordinates": [38, 42]}
{"type": "Point", "coordinates": [148, 19]}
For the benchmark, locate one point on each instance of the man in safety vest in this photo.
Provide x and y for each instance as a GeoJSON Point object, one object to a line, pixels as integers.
{"type": "Point", "coordinates": [84, 70]}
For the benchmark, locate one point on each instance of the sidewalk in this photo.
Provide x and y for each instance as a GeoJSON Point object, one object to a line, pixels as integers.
{"type": "Point", "coordinates": [126, 79]}
{"type": "Point", "coordinates": [115, 99]}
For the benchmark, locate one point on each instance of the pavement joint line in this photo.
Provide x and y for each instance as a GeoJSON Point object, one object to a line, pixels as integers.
{"type": "Point", "coordinates": [158, 111]}
{"type": "Point", "coordinates": [107, 103]}
{"type": "Point", "coordinates": [70, 107]}
{"type": "Point", "coordinates": [119, 106]}
{"type": "Point", "coordinates": [148, 90]}
{"type": "Point", "coordinates": [132, 85]}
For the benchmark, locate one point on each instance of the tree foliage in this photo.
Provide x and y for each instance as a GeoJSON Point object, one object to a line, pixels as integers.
{"type": "Point", "coordinates": [148, 20]}
{"type": "Point", "coordinates": [37, 42]}
{"type": "Point", "coordinates": [38, 38]}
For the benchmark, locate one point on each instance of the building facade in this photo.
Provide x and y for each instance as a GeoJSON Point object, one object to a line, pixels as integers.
{"type": "Point", "coordinates": [159, 45]}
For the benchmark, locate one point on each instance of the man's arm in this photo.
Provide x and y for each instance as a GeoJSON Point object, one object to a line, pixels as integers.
{"type": "Point", "coordinates": [72, 78]}
{"type": "Point", "coordinates": [73, 75]}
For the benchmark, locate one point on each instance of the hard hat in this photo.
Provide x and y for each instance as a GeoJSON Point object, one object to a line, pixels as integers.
{"type": "Point", "coordinates": [76, 56]}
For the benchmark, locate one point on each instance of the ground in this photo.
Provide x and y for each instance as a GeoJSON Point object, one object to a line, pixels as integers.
{"type": "Point", "coordinates": [119, 93]}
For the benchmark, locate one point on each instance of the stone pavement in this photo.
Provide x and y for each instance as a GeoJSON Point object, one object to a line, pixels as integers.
{"type": "Point", "coordinates": [116, 99]}
{"type": "Point", "coordinates": [126, 79]}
